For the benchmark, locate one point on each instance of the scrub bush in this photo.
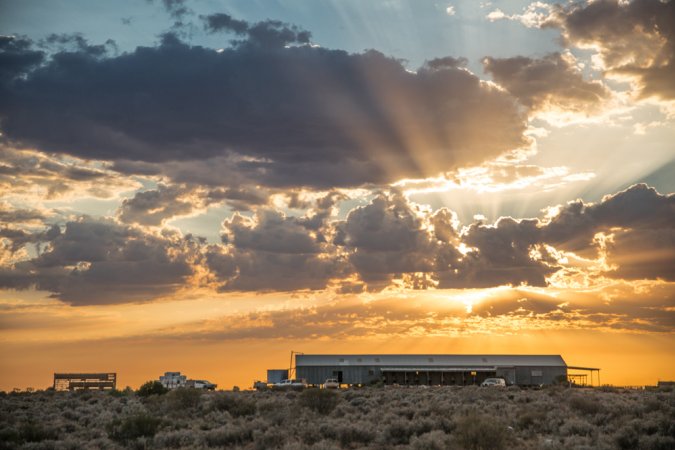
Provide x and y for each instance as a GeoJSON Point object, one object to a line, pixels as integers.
{"type": "Point", "coordinates": [475, 431]}
{"type": "Point", "coordinates": [183, 398]}
{"type": "Point", "coordinates": [585, 405]}
{"type": "Point", "coordinates": [378, 419]}
{"type": "Point", "coordinates": [235, 405]}
{"type": "Point", "coordinates": [322, 401]}
{"type": "Point", "coordinates": [129, 428]}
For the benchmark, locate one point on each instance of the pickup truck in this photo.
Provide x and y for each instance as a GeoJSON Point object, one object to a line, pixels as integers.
{"type": "Point", "coordinates": [290, 384]}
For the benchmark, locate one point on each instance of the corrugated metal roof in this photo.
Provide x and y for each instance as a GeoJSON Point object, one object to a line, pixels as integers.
{"type": "Point", "coordinates": [430, 360]}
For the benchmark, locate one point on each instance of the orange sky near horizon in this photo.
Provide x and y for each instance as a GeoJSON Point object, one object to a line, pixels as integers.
{"type": "Point", "coordinates": [624, 359]}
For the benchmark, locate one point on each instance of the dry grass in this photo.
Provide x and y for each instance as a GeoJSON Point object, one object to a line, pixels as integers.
{"type": "Point", "coordinates": [389, 418]}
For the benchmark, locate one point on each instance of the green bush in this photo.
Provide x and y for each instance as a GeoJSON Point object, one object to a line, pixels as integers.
{"type": "Point", "coordinates": [322, 401]}
{"type": "Point", "coordinates": [151, 388]}
{"type": "Point", "coordinates": [133, 427]}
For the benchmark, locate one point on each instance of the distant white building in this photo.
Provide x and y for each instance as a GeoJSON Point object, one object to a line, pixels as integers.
{"type": "Point", "coordinates": [173, 380]}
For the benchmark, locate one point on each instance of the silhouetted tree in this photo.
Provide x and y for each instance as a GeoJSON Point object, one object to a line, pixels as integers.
{"type": "Point", "coordinates": [151, 388]}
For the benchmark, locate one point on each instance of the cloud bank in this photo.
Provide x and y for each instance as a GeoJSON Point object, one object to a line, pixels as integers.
{"type": "Point", "coordinates": [269, 109]}
{"type": "Point", "coordinates": [386, 243]}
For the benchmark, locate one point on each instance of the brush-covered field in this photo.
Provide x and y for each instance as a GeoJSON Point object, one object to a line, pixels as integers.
{"type": "Point", "coordinates": [377, 418]}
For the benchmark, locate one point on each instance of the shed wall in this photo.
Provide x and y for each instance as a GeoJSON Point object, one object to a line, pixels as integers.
{"type": "Point", "coordinates": [524, 376]}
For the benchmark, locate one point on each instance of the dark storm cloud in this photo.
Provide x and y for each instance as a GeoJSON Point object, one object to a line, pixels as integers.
{"type": "Point", "coordinates": [99, 262]}
{"type": "Point", "coordinates": [77, 43]}
{"type": "Point", "coordinates": [17, 57]}
{"type": "Point", "coordinates": [19, 215]}
{"type": "Point", "coordinates": [502, 254]}
{"type": "Point", "coordinates": [637, 208]}
{"type": "Point", "coordinates": [258, 112]}
{"type": "Point", "coordinates": [635, 38]}
{"type": "Point", "coordinates": [552, 81]}
{"type": "Point", "coordinates": [389, 240]}
{"type": "Point", "coordinates": [637, 228]}
{"type": "Point", "coordinates": [272, 252]}
{"type": "Point", "coordinates": [224, 22]}
{"type": "Point", "coordinates": [387, 237]}
{"type": "Point", "coordinates": [392, 239]}
{"type": "Point", "coordinates": [643, 253]}
{"type": "Point", "coordinates": [176, 8]}
{"type": "Point", "coordinates": [28, 173]}
{"type": "Point", "coordinates": [239, 199]}
{"type": "Point", "coordinates": [270, 232]}
{"type": "Point", "coordinates": [268, 33]}
{"type": "Point", "coordinates": [156, 206]}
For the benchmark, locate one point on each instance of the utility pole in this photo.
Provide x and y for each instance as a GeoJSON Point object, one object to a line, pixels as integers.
{"type": "Point", "coordinates": [291, 367]}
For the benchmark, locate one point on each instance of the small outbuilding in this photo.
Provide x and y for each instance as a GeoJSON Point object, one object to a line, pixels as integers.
{"type": "Point", "coordinates": [432, 370]}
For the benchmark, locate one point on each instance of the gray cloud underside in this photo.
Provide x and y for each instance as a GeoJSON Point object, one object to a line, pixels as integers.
{"type": "Point", "coordinates": [101, 261]}
{"type": "Point", "coordinates": [25, 173]}
{"type": "Point", "coordinates": [548, 81]}
{"type": "Point", "coordinates": [98, 262]}
{"type": "Point", "coordinates": [635, 38]}
{"type": "Point", "coordinates": [296, 116]}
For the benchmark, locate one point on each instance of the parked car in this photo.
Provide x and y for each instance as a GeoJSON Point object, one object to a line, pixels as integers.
{"type": "Point", "coordinates": [201, 384]}
{"type": "Point", "coordinates": [290, 384]}
{"type": "Point", "coordinates": [499, 382]}
{"type": "Point", "coordinates": [331, 383]}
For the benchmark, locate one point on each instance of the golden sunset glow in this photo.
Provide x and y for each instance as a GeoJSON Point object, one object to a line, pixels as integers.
{"type": "Point", "coordinates": [186, 188]}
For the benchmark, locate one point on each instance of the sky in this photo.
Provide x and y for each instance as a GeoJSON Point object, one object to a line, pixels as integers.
{"type": "Point", "coordinates": [206, 186]}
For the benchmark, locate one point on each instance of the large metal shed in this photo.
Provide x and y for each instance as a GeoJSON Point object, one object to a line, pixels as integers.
{"type": "Point", "coordinates": [442, 370]}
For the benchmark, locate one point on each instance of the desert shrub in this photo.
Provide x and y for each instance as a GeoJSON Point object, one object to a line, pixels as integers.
{"type": "Point", "coordinates": [480, 432]}
{"type": "Point", "coordinates": [657, 442]}
{"type": "Point", "coordinates": [608, 388]}
{"type": "Point", "coordinates": [358, 401]}
{"type": "Point", "coordinates": [531, 420]}
{"type": "Point", "coordinates": [322, 401]}
{"type": "Point", "coordinates": [398, 432]}
{"type": "Point", "coordinates": [653, 404]}
{"type": "Point", "coordinates": [151, 388]}
{"type": "Point", "coordinates": [433, 440]}
{"type": "Point", "coordinates": [183, 398]}
{"type": "Point", "coordinates": [174, 439]}
{"type": "Point", "coordinates": [585, 405]}
{"type": "Point", "coordinates": [271, 438]}
{"type": "Point", "coordinates": [9, 438]}
{"type": "Point", "coordinates": [227, 435]}
{"type": "Point", "coordinates": [132, 427]}
{"type": "Point", "coordinates": [354, 434]}
{"type": "Point", "coordinates": [627, 438]}
{"type": "Point", "coordinates": [34, 432]}
{"type": "Point", "coordinates": [236, 406]}
{"type": "Point", "coordinates": [273, 411]}
{"type": "Point", "coordinates": [576, 427]}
